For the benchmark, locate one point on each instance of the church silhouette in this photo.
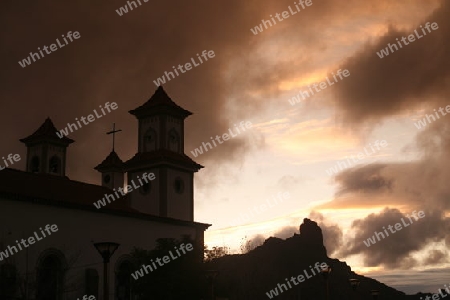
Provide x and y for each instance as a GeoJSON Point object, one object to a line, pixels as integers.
{"type": "Point", "coordinates": [66, 264]}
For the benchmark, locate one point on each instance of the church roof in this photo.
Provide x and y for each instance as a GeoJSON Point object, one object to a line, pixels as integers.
{"type": "Point", "coordinates": [60, 191]}
{"type": "Point", "coordinates": [162, 156]}
{"type": "Point", "coordinates": [112, 162]}
{"type": "Point", "coordinates": [158, 103]}
{"type": "Point", "coordinates": [46, 132]}
{"type": "Point", "coordinates": [54, 187]}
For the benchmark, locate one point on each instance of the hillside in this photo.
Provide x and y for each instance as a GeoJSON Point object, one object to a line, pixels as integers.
{"type": "Point", "coordinates": [253, 275]}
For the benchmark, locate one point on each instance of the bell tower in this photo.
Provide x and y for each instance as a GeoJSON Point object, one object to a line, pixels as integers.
{"type": "Point", "coordinates": [161, 151]}
{"type": "Point", "coordinates": [46, 152]}
{"type": "Point", "coordinates": [112, 167]}
{"type": "Point", "coordinates": [111, 171]}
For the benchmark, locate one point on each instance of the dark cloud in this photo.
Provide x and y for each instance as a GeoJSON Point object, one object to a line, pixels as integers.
{"type": "Point", "coordinates": [406, 184]}
{"type": "Point", "coordinates": [395, 250]}
{"type": "Point", "coordinates": [367, 179]}
{"type": "Point", "coordinates": [436, 257]}
{"type": "Point", "coordinates": [117, 59]}
{"type": "Point", "coordinates": [415, 74]}
{"type": "Point", "coordinates": [416, 185]}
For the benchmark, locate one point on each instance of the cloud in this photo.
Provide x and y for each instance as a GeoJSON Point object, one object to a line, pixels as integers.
{"type": "Point", "coordinates": [436, 257]}
{"type": "Point", "coordinates": [117, 59]}
{"type": "Point", "coordinates": [397, 249]}
{"type": "Point", "coordinates": [252, 243]}
{"type": "Point", "coordinates": [289, 182]}
{"type": "Point", "coordinates": [429, 280]}
{"type": "Point", "coordinates": [286, 232]}
{"type": "Point", "coordinates": [332, 233]}
{"type": "Point", "coordinates": [300, 141]}
{"type": "Point", "coordinates": [401, 184]}
{"type": "Point", "coordinates": [416, 74]}
{"type": "Point", "coordinates": [400, 188]}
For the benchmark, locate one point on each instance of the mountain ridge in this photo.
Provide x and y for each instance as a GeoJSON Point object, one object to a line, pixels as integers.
{"type": "Point", "coordinates": [254, 274]}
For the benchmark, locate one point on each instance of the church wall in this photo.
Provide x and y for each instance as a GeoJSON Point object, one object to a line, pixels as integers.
{"type": "Point", "coordinates": [180, 205]}
{"type": "Point", "coordinates": [117, 180]}
{"type": "Point", "coordinates": [77, 230]}
{"type": "Point", "coordinates": [147, 203]}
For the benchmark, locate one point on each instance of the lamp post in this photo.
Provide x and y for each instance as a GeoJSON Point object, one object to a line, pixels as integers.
{"type": "Point", "coordinates": [325, 273]}
{"type": "Point", "coordinates": [210, 276]}
{"type": "Point", "coordinates": [106, 250]}
{"type": "Point", "coordinates": [354, 282]}
{"type": "Point", "coordinates": [375, 294]}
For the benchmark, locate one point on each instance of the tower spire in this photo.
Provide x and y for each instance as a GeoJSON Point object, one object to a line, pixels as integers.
{"type": "Point", "coordinates": [113, 132]}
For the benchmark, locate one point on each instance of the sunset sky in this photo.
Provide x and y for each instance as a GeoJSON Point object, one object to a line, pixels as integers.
{"type": "Point", "coordinates": [289, 148]}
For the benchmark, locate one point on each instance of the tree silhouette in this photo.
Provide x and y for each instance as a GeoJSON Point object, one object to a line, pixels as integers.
{"type": "Point", "coordinates": [181, 278]}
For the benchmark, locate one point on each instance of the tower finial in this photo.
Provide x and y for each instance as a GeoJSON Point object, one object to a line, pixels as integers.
{"type": "Point", "coordinates": [113, 132]}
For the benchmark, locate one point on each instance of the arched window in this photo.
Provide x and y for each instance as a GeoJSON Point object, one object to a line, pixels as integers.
{"type": "Point", "coordinates": [50, 276]}
{"type": "Point", "coordinates": [35, 164]}
{"type": "Point", "coordinates": [146, 188]}
{"type": "Point", "coordinates": [150, 140]}
{"type": "Point", "coordinates": [173, 142]}
{"type": "Point", "coordinates": [54, 165]}
{"type": "Point", "coordinates": [124, 268]}
{"type": "Point", "coordinates": [178, 185]}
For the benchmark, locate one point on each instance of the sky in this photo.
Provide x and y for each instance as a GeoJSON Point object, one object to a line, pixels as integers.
{"type": "Point", "coordinates": [289, 149]}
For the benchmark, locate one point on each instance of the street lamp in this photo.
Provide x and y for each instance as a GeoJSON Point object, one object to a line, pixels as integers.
{"type": "Point", "coordinates": [106, 250]}
{"type": "Point", "coordinates": [375, 294]}
{"type": "Point", "coordinates": [326, 273]}
{"type": "Point", "coordinates": [210, 276]}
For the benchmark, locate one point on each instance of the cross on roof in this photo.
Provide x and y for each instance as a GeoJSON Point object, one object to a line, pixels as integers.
{"type": "Point", "coordinates": [113, 132]}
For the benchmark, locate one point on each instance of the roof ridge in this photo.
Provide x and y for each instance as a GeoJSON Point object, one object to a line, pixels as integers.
{"type": "Point", "coordinates": [47, 130]}
{"type": "Point", "coordinates": [159, 99]}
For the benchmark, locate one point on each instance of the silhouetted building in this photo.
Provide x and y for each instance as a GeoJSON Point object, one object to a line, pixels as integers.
{"type": "Point", "coordinates": [65, 264]}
